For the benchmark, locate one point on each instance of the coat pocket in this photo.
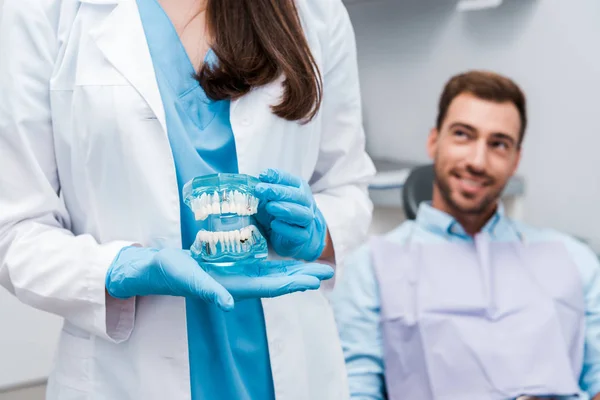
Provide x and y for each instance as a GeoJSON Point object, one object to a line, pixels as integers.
{"type": "Point", "coordinates": [70, 377]}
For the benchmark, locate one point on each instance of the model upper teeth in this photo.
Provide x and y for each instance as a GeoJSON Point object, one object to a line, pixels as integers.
{"type": "Point", "coordinates": [238, 241]}
{"type": "Point", "coordinates": [230, 202]}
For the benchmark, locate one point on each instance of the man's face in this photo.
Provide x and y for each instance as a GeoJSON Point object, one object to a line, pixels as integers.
{"type": "Point", "coordinates": [475, 153]}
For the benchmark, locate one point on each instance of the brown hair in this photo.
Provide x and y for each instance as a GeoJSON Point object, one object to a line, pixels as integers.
{"type": "Point", "coordinates": [255, 42]}
{"type": "Point", "coordinates": [485, 85]}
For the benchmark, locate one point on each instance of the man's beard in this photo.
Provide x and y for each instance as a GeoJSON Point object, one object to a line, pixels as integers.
{"type": "Point", "coordinates": [446, 193]}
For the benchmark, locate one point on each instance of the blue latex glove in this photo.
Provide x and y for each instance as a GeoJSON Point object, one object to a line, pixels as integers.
{"type": "Point", "coordinates": [289, 216]}
{"type": "Point", "coordinates": [140, 271]}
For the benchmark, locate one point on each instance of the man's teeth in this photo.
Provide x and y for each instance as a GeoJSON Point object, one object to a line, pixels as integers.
{"type": "Point", "coordinates": [230, 202]}
{"type": "Point", "coordinates": [239, 241]}
{"type": "Point", "coordinates": [472, 183]}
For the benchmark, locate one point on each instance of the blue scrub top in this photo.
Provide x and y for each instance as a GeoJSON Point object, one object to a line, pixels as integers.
{"type": "Point", "coordinates": [228, 352]}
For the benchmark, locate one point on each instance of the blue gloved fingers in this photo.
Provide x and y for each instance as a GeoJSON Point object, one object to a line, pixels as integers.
{"type": "Point", "coordinates": [259, 279]}
{"type": "Point", "coordinates": [294, 267]}
{"type": "Point", "coordinates": [253, 269]}
{"type": "Point", "coordinates": [275, 192]}
{"type": "Point", "coordinates": [272, 282]}
{"type": "Point", "coordinates": [279, 286]}
{"type": "Point", "coordinates": [278, 267]}
{"type": "Point", "coordinates": [205, 287]}
{"type": "Point", "coordinates": [263, 219]}
{"type": "Point", "coordinates": [293, 214]}
{"type": "Point", "coordinates": [280, 177]}
{"type": "Point", "coordinates": [290, 233]}
{"type": "Point", "coordinates": [183, 276]}
{"type": "Point", "coordinates": [321, 271]}
{"type": "Point", "coordinates": [139, 271]}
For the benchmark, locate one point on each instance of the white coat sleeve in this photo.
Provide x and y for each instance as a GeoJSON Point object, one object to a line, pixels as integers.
{"type": "Point", "coordinates": [343, 168]}
{"type": "Point", "coordinates": [41, 262]}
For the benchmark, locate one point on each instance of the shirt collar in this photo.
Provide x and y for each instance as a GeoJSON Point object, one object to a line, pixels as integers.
{"type": "Point", "coordinates": [440, 222]}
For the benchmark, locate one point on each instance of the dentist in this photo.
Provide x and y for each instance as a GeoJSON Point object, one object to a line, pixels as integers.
{"type": "Point", "coordinates": [107, 108]}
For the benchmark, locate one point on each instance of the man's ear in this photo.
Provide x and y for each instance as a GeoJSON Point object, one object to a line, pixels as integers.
{"type": "Point", "coordinates": [432, 142]}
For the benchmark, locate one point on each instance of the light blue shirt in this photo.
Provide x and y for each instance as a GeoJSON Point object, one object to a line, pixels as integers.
{"type": "Point", "coordinates": [356, 299]}
{"type": "Point", "coordinates": [228, 352]}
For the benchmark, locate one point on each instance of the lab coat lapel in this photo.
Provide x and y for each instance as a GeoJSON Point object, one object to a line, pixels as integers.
{"type": "Point", "coordinates": [251, 116]}
{"type": "Point", "coordinates": [122, 40]}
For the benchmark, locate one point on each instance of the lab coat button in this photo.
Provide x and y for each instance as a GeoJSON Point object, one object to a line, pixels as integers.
{"type": "Point", "coordinates": [277, 346]}
{"type": "Point", "coordinates": [246, 121]}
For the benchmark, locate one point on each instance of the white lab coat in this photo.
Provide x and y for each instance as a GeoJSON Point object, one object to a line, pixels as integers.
{"type": "Point", "coordinates": [86, 169]}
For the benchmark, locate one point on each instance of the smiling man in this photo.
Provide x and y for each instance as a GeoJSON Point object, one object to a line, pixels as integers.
{"type": "Point", "coordinates": [464, 303]}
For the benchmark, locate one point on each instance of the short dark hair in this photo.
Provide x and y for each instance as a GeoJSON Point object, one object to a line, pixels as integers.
{"type": "Point", "coordinates": [485, 85]}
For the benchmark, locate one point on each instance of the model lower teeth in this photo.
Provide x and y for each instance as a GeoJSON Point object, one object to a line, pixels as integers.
{"type": "Point", "coordinates": [224, 206]}
{"type": "Point", "coordinates": [238, 241]}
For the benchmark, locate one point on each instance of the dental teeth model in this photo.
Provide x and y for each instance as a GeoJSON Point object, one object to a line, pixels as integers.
{"type": "Point", "coordinates": [229, 202]}
{"type": "Point", "coordinates": [238, 241]}
{"type": "Point", "coordinates": [224, 206]}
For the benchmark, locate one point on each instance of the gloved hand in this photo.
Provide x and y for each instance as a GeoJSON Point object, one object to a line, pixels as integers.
{"type": "Point", "coordinates": [289, 216]}
{"type": "Point", "coordinates": [139, 271]}
{"type": "Point", "coordinates": [270, 278]}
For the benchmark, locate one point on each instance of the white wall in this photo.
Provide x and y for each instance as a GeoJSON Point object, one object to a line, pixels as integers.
{"type": "Point", "coordinates": [27, 342]}
{"type": "Point", "coordinates": [409, 48]}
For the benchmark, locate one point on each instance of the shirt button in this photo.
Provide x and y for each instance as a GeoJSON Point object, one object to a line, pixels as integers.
{"type": "Point", "coordinates": [246, 121]}
{"type": "Point", "coordinates": [277, 346]}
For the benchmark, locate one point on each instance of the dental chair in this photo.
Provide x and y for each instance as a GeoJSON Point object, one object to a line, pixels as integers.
{"type": "Point", "coordinates": [418, 187]}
